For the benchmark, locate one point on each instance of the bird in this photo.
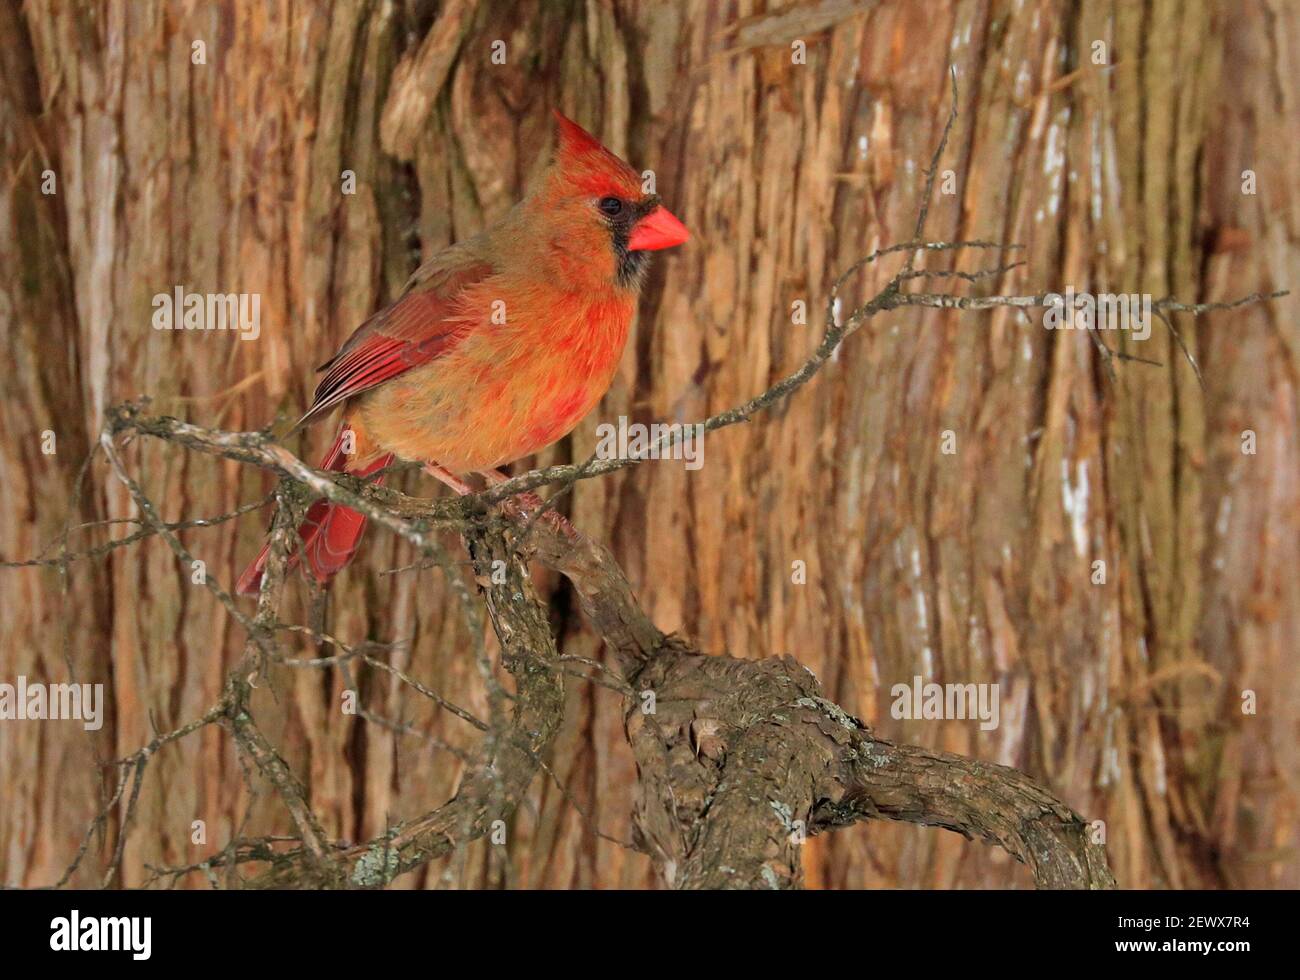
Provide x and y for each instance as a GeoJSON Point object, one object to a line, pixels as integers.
{"type": "Point", "coordinates": [498, 345]}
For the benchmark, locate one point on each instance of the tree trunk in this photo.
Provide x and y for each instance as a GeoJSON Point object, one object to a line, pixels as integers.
{"type": "Point", "coordinates": [1124, 697]}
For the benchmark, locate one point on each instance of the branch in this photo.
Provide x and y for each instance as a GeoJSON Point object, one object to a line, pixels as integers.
{"type": "Point", "coordinates": [491, 790]}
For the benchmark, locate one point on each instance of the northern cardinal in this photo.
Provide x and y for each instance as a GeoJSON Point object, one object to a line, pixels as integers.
{"type": "Point", "coordinates": [498, 345]}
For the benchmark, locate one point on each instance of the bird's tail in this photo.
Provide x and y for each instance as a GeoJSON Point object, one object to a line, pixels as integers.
{"type": "Point", "coordinates": [330, 532]}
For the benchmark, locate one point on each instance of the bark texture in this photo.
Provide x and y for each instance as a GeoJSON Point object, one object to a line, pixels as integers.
{"type": "Point", "coordinates": [976, 567]}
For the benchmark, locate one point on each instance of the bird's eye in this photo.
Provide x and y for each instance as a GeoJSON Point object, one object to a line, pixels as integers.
{"type": "Point", "coordinates": [612, 206]}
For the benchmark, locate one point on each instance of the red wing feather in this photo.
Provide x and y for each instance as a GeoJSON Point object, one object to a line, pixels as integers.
{"type": "Point", "coordinates": [419, 327]}
{"type": "Point", "coordinates": [330, 533]}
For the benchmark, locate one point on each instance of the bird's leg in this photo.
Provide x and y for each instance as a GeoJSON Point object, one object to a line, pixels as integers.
{"type": "Point", "coordinates": [446, 476]}
{"type": "Point", "coordinates": [532, 504]}
{"type": "Point", "coordinates": [527, 503]}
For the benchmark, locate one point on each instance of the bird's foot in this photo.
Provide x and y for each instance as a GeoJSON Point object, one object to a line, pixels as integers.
{"type": "Point", "coordinates": [526, 504]}
{"type": "Point", "coordinates": [531, 506]}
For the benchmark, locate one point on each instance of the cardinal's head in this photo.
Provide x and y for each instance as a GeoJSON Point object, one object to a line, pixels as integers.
{"type": "Point", "coordinates": [602, 219]}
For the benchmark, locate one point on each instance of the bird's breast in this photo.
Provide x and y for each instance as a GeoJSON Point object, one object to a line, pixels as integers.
{"type": "Point", "coordinates": [508, 390]}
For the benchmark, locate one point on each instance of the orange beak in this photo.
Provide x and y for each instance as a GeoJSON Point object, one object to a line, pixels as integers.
{"type": "Point", "coordinates": [658, 229]}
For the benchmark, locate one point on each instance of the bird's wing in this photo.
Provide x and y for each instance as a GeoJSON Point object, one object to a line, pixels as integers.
{"type": "Point", "coordinates": [414, 330]}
